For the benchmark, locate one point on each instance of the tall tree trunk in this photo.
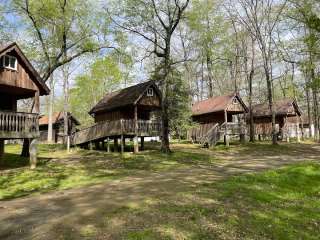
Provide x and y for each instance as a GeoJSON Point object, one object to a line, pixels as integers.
{"type": "Point", "coordinates": [50, 109]}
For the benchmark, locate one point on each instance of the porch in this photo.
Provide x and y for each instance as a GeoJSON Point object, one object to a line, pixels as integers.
{"type": "Point", "coordinates": [18, 125]}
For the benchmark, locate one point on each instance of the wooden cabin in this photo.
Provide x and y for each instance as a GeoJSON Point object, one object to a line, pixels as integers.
{"type": "Point", "coordinates": [128, 113]}
{"type": "Point", "coordinates": [57, 126]}
{"type": "Point", "coordinates": [284, 109]}
{"type": "Point", "coordinates": [19, 80]}
{"type": "Point", "coordinates": [216, 117]}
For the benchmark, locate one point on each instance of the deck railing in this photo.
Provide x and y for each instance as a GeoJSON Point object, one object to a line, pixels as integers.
{"type": "Point", "coordinates": [116, 128]}
{"type": "Point", "coordinates": [18, 125]}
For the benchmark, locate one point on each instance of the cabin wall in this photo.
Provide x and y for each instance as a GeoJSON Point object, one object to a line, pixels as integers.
{"type": "Point", "coordinates": [125, 113]}
{"type": "Point", "coordinates": [217, 117]}
{"type": "Point", "coordinates": [17, 78]}
{"type": "Point", "coordinates": [153, 101]}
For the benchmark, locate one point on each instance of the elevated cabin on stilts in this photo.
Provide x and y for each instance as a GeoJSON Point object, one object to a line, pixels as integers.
{"type": "Point", "coordinates": [57, 126]}
{"type": "Point", "coordinates": [19, 80]}
{"type": "Point", "coordinates": [285, 109]}
{"type": "Point", "coordinates": [128, 113]}
{"type": "Point", "coordinates": [218, 118]}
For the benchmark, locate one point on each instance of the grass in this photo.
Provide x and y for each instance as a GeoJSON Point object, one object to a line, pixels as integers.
{"type": "Point", "coordinates": [188, 200]}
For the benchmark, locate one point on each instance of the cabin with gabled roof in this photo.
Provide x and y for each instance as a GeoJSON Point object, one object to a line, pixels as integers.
{"type": "Point", "coordinates": [285, 109]}
{"type": "Point", "coordinates": [57, 126]}
{"type": "Point", "coordinates": [217, 117]}
{"type": "Point", "coordinates": [131, 112]}
{"type": "Point", "coordinates": [19, 80]}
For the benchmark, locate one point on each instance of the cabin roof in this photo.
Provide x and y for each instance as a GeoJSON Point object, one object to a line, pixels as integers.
{"type": "Point", "coordinates": [215, 104]}
{"type": "Point", "coordinates": [56, 117]}
{"type": "Point", "coordinates": [283, 107]}
{"type": "Point", "coordinates": [5, 48]}
{"type": "Point", "coordinates": [123, 97]}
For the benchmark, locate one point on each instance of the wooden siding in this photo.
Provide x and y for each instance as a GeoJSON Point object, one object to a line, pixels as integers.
{"type": "Point", "coordinates": [17, 78]}
{"type": "Point", "coordinates": [153, 101]}
{"type": "Point", "coordinates": [235, 107]}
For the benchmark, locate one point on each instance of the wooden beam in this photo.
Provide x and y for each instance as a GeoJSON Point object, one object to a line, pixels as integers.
{"type": "Point", "coordinates": [135, 139]}
{"type": "Point", "coordinates": [226, 136]}
{"type": "Point", "coordinates": [123, 143]}
{"type": "Point", "coordinates": [1, 148]}
{"type": "Point", "coordinates": [297, 129]}
{"type": "Point", "coordinates": [142, 144]}
{"type": "Point", "coordinates": [33, 150]}
{"type": "Point", "coordinates": [108, 144]}
{"type": "Point", "coordinates": [115, 145]}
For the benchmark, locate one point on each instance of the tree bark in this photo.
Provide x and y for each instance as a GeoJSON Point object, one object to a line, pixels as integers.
{"type": "Point", "coordinates": [50, 110]}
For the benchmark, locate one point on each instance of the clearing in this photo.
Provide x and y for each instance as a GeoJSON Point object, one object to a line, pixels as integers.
{"type": "Point", "coordinates": [253, 191]}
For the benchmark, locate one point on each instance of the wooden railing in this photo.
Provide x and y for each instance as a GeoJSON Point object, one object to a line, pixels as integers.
{"type": "Point", "coordinates": [212, 132]}
{"type": "Point", "coordinates": [18, 125]}
{"type": "Point", "coordinates": [116, 128]}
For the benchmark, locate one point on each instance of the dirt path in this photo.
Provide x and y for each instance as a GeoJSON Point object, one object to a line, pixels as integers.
{"type": "Point", "coordinates": [79, 213]}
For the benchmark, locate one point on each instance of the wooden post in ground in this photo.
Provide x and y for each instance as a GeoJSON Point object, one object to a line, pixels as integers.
{"type": "Point", "coordinates": [33, 153]}
{"type": "Point", "coordinates": [115, 145]}
{"type": "Point", "coordinates": [242, 133]}
{"type": "Point", "coordinates": [90, 145]}
{"type": "Point", "coordinates": [1, 149]}
{"type": "Point", "coordinates": [142, 144]}
{"type": "Point", "coordinates": [297, 129]}
{"type": "Point", "coordinates": [123, 143]}
{"type": "Point", "coordinates": [135, 139]}
{"type": "Point", "coordinates": [226, 136]}
{"type": "Point", "coordinates": [108, 144]}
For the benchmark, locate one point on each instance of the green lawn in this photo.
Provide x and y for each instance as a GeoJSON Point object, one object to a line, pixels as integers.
{"type": "Point", "coordinates": [281, 203]}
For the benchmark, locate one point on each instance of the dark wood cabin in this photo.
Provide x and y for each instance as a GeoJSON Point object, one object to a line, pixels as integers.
{"type": "Point", "coordinates": [128, 113]}
{"type": "Point", "coordinates": [19, 80]}
{"type": "Point", "coordinates": [217, 114]}
{"type": "Point", "coordinates": [284, 109]}
{"type": "Point", "coordinates": [57, 126]}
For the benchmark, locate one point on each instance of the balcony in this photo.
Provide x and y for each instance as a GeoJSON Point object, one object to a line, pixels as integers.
{"type": "Point", "coordinates": [18, 125]}
{"type": "Point", "coordinates": [125, 127]}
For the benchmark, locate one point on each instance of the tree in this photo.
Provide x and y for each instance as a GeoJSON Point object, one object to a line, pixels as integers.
{"type": "Point", "coordinates": [64, 29]}
{"type": "Point", "coordinates": [261, 19]}
{"type": "Point", "coordinates": [155, 22]}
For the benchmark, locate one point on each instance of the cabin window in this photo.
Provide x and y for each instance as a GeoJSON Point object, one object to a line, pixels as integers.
{"type": "Point", "coordinates": [235, 101]}
{"type": "Point", "coordinates": [150, 92]}
{"type": "Point", "coordinates": [9, 62]}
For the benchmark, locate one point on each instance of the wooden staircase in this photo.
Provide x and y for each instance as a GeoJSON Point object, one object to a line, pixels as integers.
{"type": "Point", "coordinates": [216, 133]}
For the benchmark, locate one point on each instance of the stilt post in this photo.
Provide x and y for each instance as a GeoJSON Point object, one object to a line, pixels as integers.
{"type": "Point", "coordinates": [33, 150]}
{"type": "Point", "coordinates": [135, 139]}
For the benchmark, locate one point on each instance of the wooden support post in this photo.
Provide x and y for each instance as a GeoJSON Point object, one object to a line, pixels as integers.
{"type": "Point", "coordinates": [226, 136]}
{"type": "Point", "coordinates": [135, 139]}
{"type": "Point", "coordinates": [108, 145]}
{"type": "Point", "coordinates": [123, 143]}
{"type": "Point", "coordinates": [1, 148]}
{"type": "Point", "coordinates": [297, 129]}
{"type": "Point", "coordinates": [90, 146]}
{"type": "Point", "coordinates": [115, 145]}
{"type": "Point", "coordinates": [142, 144]}
{"type": "Point", "coordinates": [102, 145]}
{"type": "Point", "coordinates": [33, 153]}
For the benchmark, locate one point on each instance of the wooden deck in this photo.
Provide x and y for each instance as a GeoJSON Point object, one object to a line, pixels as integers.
{"type": "Point", "coordinates": [116, 128]}
{"type": "Point", "coordinates": [18, 125]}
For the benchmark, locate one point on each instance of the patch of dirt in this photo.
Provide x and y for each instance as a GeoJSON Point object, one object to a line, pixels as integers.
{"type": "Point", "coordinates": [92, 212]}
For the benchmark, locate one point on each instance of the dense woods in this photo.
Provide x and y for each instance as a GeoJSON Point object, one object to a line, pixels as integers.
{"type": "Point", "coordinates": [264, 50]}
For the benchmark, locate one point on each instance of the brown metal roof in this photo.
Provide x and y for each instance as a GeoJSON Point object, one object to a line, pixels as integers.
{"type": "Point", "coordinates": [56, 117]}
{"type": "Point", "coordinates": [44, 90]}
{"type": "Point", "coordinates": [283, 107]}
{"type": "Point", "coordinates": [215, 104]}
{"type": "Point", "coordinates": [124, 97]}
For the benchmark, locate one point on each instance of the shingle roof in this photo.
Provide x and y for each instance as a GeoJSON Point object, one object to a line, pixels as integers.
{"type": "Point", "coordinates": [124, 97]}
{"type": "Point", "coordinates": [214, 104]}
{"type": "Point", "coordinates": [44, 90]}
{"type": "Point", "coordinates": [283, 107]}
{"type": "Point", "coordinates": [56, 116]}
